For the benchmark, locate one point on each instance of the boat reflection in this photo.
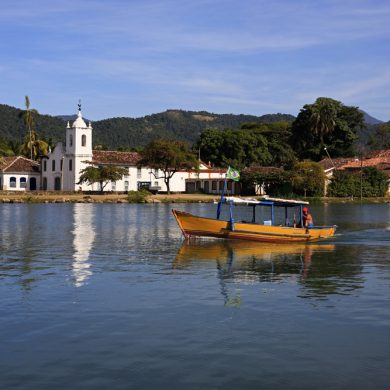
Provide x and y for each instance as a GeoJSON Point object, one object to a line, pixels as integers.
{"type": "Point", "coordinates": [250, 262]}
{"type": "Point", "coordinates": [246, 254]}
{"type": "Point", "coordinates": [83, 236]}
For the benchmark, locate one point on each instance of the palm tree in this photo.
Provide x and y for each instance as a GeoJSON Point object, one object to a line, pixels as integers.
{"type": "Point", "coordinates": [323, 116]}
{"type": "Point", "coordinates": [34, 145]}
{"type": "Point", "coordinates": [28, 117]}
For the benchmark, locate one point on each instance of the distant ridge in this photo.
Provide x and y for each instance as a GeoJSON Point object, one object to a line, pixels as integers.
{"type": "Point", "coordinates": [133, 132]}
{"type": "Point", "coordinates": [137, 132]}
{"type": "Point", "coordinates": [370, 120]}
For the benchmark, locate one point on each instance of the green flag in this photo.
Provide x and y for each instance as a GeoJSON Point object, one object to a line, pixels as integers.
{"type": "Point", "coordinates": [233, 174]}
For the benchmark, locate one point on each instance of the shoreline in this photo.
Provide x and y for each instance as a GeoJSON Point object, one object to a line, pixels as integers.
{"type": "Point", "coordinates": [75, 197]}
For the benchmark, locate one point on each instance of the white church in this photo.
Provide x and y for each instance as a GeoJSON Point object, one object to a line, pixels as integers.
{"type": "Point", "coordinates": [60, 169]}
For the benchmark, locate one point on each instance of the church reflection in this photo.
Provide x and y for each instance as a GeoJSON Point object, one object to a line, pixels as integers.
{"type": "Point", "coordinates": [83, 237]}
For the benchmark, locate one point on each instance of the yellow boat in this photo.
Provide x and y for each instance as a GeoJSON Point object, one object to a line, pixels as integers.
{"type": "Point", "coordinates": [268, 231]}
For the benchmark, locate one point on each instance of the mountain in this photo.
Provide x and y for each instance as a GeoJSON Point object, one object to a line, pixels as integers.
{"type": "Point", "coordinates": [132, 132]}
{"type": "Point", "coordinates": [137, 132]}
{"type": "Point", "coordinates": [370, 120]}
{"type": "Point", "coordinates": [70, 118]}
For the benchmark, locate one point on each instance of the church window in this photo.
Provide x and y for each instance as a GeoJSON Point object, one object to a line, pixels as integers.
{"type": "Point", "coordinates": [113, 186]}
{"type": "Point", "coordinates": [139, 173]}
{"type": "Point", "coordinates": [83, 140]}
{"type": "Point", "coordinates": [61, 163]}
{"type": "Point", "coordinates": [23, 182]}
{"type": "Point", "coordinates": [126, 185]}
{"type": "Point", "coordinates": [44, 184]}
{"type": "Point", "coordinates": [53, 165]}
{"type": "Point", "coordinates": [70, 140]}
{"type": "Point", "coordinates": [12, 182]}
{"type": "Point", "coordinates": [70, 165]}
{"type": "Point", "coordinates": [44, 165]}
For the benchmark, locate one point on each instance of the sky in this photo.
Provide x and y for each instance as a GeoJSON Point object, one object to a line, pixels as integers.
{"type": "Point", "coordinates": [130, 58]}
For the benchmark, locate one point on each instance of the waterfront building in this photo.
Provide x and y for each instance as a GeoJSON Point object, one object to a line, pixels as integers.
{"type": "Point", "coordinates": [18, 173]}
{"type": "Point", "coordinates": [60, 169]}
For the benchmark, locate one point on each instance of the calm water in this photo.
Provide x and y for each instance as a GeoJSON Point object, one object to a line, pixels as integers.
{"type": "Point", "coordinates": [109, 296]}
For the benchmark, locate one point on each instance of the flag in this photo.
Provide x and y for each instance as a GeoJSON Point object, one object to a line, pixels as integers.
{"type": "Point", "coordinates": [233, 174]}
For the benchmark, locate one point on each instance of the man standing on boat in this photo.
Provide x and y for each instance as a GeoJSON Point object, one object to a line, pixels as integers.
{"type": "Point", "coordinates": [307, 218]}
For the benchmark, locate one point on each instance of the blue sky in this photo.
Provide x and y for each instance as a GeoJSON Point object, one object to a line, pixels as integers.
{"type": "Point", "coordinates": [138, 57]}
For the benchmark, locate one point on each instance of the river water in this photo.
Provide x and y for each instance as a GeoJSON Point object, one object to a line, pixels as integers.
{"type": "Point", "coordinates": [97, 296]}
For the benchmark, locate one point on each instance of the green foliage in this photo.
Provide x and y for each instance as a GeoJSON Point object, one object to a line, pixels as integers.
{"type": "Point", "coordinates": [329, 123]}
{"type": "Point", "coordinates": [137, 196]}
{"type": "Point", "coordinates": [253, 144]}
{"type": "Point", "coordinates": [7, 148]}
{"type": "Point", "coordinates": [129, 132]}
{"type": "Point", "coordinates": [370, 182]}
{"type": "Point", "coordinates": [169, 156]}
{"type": "Point", "coordinates": [308, 179]}
{"type": "Point", "coordinates": [380, 138]}
{"type": "Point", "coordinates": [33, 146]}
{"type": "Point", "coordinates": [277, 135]}
{"type": "Point", "coordinates": [102, 175]}
{"type": "Point", "coordinates": [276, 182]}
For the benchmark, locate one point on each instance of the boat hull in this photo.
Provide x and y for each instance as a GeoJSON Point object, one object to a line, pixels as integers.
{"type": "Point", "coordinates": [192, 225]}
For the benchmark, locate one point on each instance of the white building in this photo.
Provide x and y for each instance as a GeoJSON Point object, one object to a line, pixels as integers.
{"type": "Point", "coordinates": [18, 173]}
{"type": "Point", "coordinates": [60, 169]}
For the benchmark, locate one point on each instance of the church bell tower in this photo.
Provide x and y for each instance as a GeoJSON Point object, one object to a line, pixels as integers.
{"type": "Point", "coordinates": [78, 152]}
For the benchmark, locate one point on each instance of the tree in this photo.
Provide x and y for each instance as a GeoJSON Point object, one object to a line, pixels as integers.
{"type": "Point", "coordinates": [326, 123]}
{"type": "Point", "coordinates": [33, 146]}
{"type": "Point", "coordinates": [28, 117]}
{"type": "Point", "coordinates": [102, 174]}
{"type": "Point", "coordinates": [275, 181]}
{"type": "Point", "coordinates": [238, 148]}
{"type": "Point", "coordinates": [8, 148]}
{"type": "Point", "coordinates": [277, 135]}
{"type": "Point", "coordinates": [380, 139]}
{"type": "Point", "coordinates": [169, 157]}
{"type": "Point", "coordinates": [308, 179]}
{"type": "Point", "coordinates": [372, 183]}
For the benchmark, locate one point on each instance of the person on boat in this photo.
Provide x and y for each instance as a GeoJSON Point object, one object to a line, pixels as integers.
{"type": "Point", "coordinates": [307, 218]}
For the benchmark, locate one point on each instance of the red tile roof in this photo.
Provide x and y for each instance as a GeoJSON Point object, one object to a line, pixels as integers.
{"type": "Point", "coordinates": [115, 158]}
{"type": "Point", "coordinates": [18, 164]}
{"type": "Point", "coordinates": [336, 162]}
{"type": "Point", "coordinates": [379, 153]}
{"type": "Point", "coordinates": [369, 162]}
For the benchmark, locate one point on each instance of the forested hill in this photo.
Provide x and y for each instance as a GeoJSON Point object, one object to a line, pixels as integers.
{"type": "Point", "coordinates": [129, 132]}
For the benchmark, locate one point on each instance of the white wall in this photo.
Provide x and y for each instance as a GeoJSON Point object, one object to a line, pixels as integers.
{"type": "Point", "coordinates": [5, 179]}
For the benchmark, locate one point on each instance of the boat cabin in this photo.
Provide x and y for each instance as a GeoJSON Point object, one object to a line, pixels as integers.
{"type": "Point", "coordinates": [293, 210]}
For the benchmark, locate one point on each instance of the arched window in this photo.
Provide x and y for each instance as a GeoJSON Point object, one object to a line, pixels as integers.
{"type": "Point", "coordinates": [23, 182]}
{"type": "Point", "coordinates": [70, 140]}
{"type": "Point", "coordinates": [70, 165]}
{"type": "Point", "coordinates": [44, 184]}
{"type": "Point", "coordinates": [53, 165]}
{"type": "Point", "coordinates": [12, 182]}
{"type": "Point", "coordinates": [83, 140]}
{"type": "Point", "coordinates": [44, 165]}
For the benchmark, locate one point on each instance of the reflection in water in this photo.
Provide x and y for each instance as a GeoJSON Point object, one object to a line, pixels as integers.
{"type": "Point", "coordinates": [247, 255]}
{"type": "Point", "coordinates": [83, 236]}
{"type": "Point", "coordinates": [251, 262]}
